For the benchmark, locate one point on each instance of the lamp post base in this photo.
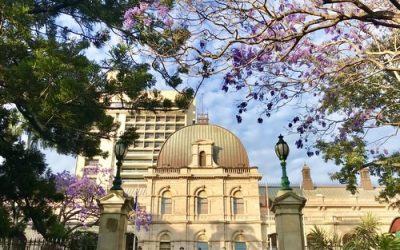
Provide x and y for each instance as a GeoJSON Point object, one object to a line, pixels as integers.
{"type": "Point", "coordinates": [114, 207]}
{"type": "Point", "coordinates": [287, 207]}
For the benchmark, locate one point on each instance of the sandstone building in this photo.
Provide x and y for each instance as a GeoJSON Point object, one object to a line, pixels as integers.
{"type": "Point", "coordinates": [197, 182]}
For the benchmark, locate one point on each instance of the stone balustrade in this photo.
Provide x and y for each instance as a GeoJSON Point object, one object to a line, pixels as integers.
{"type": "Point", "coordinates": [203, 171]}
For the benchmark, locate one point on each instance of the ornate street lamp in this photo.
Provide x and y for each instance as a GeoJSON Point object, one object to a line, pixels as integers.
{"type": "Point", "coordinates": [120, 151]}
{"type": "Point", "coordinates": [282, 151]}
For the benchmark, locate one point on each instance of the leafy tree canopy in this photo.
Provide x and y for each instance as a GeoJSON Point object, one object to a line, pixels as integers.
{"type": "Point", "coordinates": [56, 92]}
{"type": "Point", "coordinates": [51, 90]}
{"type": "Point", "coordinates": [26, 186]}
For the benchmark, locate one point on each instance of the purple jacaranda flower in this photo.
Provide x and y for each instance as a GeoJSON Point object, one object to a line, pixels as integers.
{"type": "Point", "coordinates": [162, 10]}
{"type": "Point", "coordinates": [143, 7]}
{"type": "Point", "coordinates": [147, 21]}
{"type": "Point", "coordinates": [168, 21]}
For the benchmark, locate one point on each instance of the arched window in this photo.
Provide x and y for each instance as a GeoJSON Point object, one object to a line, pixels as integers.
{"type": "Point", "coordinates": [238, 203]}
{"type": "Point", "coordinates": [166, 203]}
{"type": "Point", "coordinates": [202, 159]}
{"type": "Point", "coordinates": [202, 243]}
{"type": "Point", "coordinates": [346, 238]}
{"type": "Point", "coordinates": [239, 243]}
{"type": "Point", "coordinates": [131, 241]}
{"type": "Point", "coordinates": [202, 203]}
{"type": "Point", "coordinates": [165, 242]}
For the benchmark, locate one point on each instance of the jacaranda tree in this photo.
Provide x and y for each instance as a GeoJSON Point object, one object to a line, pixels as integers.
{"type": "Point", "coordinates": [335, 61]}
{"type": "Point", "coordinates": [79, 208]}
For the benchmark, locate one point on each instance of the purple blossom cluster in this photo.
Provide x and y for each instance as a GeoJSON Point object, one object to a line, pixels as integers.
{"type": "Point", "coordinates": [80, 195]}
{"type": "Point", "coordinates": [141, 219]}
{"type": "Point", "coordinates": [282, 52]}
{"type": "Point", "coordinates": [288, 61]}
{"type": "Point", "coordinates": [148, 13]}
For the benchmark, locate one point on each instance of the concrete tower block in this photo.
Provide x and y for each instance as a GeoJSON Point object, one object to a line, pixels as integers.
{"type": "Point", "coordinates": [287, 207]}
{"type": "Point", "coordinates": [114, 208]}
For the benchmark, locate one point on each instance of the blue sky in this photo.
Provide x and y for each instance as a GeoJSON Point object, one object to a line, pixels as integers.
{"type": "Point", "coordinates": [258, 139]}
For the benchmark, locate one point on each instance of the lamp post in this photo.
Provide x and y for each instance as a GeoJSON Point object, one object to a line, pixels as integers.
{"type": "Point", "coordinates": [120, 150]}
{"type": "Point", "coordinates": [282, 151]}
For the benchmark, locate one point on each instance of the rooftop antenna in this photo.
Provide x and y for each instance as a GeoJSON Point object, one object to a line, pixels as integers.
{"type": "Point", "coordinates": [202, 118]}
{"type": "Point", "coordinates": [202, 103]}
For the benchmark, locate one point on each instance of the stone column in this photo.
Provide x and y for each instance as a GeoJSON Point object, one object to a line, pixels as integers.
{"type": "Point", "coordinates": [114, 208]}
{"type": "Point", "coordinates": [287, 207]}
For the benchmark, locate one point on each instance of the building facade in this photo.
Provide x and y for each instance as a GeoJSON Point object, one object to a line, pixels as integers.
{"type": "Point", "coordinates": [330, 207]}
{"type": "Point", "coordinates": [197, 183]}
{"type": "Point", "coordinates": [153, 129]}
{"type": "Point", "coordinates": [202, 193]}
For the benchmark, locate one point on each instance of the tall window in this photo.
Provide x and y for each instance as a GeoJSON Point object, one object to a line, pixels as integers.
{"type": "Point", "coordinates": [166, 203]}
{"type": "Point", "coordinates": [202, 243]}
{"type": "Point", "coordinates": [202, 159]}
{"type": "Point", "coordinates": [202, 203]}
{"type": "Point", "coordinates": [238, 203]}
{"type": "Point", "coordinates": [240, 246]}
{"type": "Point", "coordinates": [240, 243]}
{"type": "Point", "coordinates": [165, 242]}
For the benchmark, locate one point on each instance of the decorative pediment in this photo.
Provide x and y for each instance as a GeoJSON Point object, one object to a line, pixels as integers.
{"type": "Point", "coordinates": [288, 198]}
{"type": "Point", "coordinates": [203, 142]}
{"type": "Point", "coordinates": [114, 197]}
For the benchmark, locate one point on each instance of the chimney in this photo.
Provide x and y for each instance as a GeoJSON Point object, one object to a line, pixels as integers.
{"type": "Point", "coordinates": [365, 182]}
{"type": "Point", "coordinates": [307, 181]}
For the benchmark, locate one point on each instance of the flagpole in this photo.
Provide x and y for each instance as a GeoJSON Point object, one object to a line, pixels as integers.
{"type": "Point", "coordinates": [134, 226]}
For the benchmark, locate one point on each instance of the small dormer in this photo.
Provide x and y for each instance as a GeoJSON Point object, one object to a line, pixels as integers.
{"type": "Point", "coordinates": [202, 154]}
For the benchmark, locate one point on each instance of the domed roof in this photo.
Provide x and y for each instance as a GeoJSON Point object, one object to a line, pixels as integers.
{"type": "Point", "coordinates": [228, 151]}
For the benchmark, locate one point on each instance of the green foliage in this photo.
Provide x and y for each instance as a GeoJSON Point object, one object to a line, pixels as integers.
{"type": "Point", "coordinates": [5, 223]}
{"type": "Point", "coordinates": [83, 240]}
{"type": "Point", "coordinates": [388, 242]}
{"type": "Point", "coordinates": [26, 188]}
{"type": "Point", "coordinates": [366, 101]}
{"type": "Point", "coordinates": [184, 99]}
{"type": "Point", "coordinates": [129, 136]}
{"type": "Point", "coordinates": [51, 90]}
{"type": "Point", "coordinates": [388, 171]}
{"type": "Point", "coordinates": [364, 236]}
{"type": "Point", "coordinates": [319, 239]}
{"type": "Point", "coordinates": [59, 93]}
{"type": "Point", "coordinates": [350, 154]}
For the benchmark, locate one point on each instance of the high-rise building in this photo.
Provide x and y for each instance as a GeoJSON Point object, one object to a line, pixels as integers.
{"type": "Point", "coordinates": [153, 129]}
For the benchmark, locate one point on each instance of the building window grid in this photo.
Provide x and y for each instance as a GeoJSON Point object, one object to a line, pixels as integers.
{"type": "Point", "coordinates": [180, 118]}
{"type": "Point", "coordinates": [170, 119]}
